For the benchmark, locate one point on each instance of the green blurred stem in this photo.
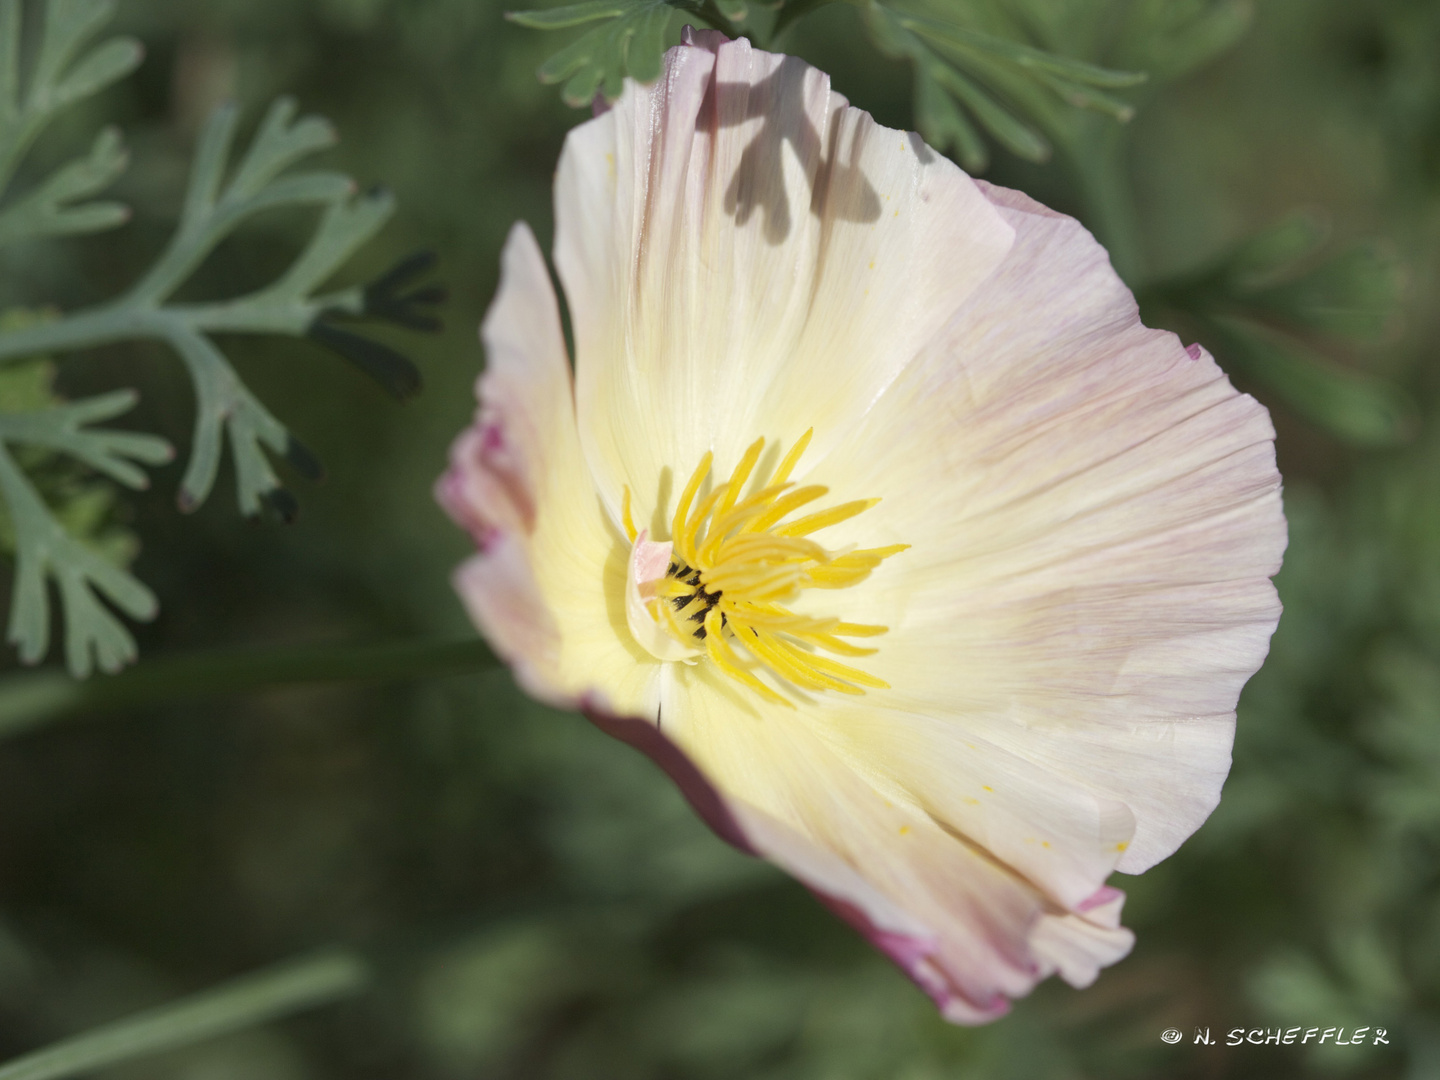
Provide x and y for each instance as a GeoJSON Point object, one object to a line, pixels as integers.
{"type": "Point", "coordinates": [31, 699]}
{"type": "Point", "coordinates": [245, 1002]}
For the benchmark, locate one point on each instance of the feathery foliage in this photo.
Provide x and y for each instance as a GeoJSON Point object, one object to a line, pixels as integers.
{"type": "Point", "coordinates": [1272, 307]}
{"type": "Point", "coordinates": [222, 195]}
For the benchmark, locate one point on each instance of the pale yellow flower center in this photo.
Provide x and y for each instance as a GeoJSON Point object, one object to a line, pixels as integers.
{"type": "Point", "coordinates": [737, 562]}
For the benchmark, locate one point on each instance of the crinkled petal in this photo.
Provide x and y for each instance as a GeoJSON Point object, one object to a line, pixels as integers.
{"type": "Point", "coordinates": [744, 254]}
{"type": "Point", "coordinates": [1094, 519]}
{"type": "Point", "coordinates": [1077, 944]}
{"type": "Point", "coordinates": [1064, 836]}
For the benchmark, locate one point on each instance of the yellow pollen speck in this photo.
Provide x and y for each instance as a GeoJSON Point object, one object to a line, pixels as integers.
{"type": "Point", "coordinates": [904, 830]}
{"type": "Point", "coordinates": [1044, 843]}
{"type": "Point", "coordinates": [989, 788]}
{"type": "Point", "coordinates": [1121, 846]}
{"type": "Point", "coordinates": [972, 800]}
{"type": "Point", "coordinates": [737, 560]}
{"type": "Point", "coordinates": [872, 264]}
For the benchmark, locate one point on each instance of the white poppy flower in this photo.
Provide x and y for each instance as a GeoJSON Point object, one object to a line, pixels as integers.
{"type": "Point", "coordinates": [874, 514]}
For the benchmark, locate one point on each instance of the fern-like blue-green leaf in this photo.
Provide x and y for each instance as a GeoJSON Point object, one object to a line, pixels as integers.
{"type": "Point", "coordinates": [630, 40]}
{"type": "Point", "coordinates": [56, 80]}
{"type": "Point", "coordinates": [955, 66]}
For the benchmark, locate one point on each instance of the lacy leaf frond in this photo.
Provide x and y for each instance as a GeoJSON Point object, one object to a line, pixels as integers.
{"type": "Point", "coordinates": [57, 79]}
{"type": "Point", "coordinates": [629, 40]}
{"type": "Point", "coordinates": [58, 523]}
{"type": "Point", "coordinates": [47, 524]}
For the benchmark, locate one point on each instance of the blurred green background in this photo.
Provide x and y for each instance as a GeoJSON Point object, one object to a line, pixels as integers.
{"type": "Point", "coordinates": [535, 901]}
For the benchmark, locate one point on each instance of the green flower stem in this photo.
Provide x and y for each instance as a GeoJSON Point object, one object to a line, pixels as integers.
{"type": "Point", "coordinates": [245, 1002]}
{"type": "Point", "coordinates": [31, 699]}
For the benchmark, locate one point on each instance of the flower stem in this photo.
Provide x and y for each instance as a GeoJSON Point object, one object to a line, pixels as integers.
{"type": "Point", "coordinates": [244, 1002]}
{"type": "Point", "coordinates": [31, 699]}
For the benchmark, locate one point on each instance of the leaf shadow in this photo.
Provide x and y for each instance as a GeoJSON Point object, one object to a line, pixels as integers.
{"type": "Point", "coordinates": [838, 189]}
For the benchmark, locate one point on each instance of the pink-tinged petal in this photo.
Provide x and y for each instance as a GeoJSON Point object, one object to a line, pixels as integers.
{"type": "Point", "coordinates": [499, 592]}
{"type": "Point", "coordinates": [710, 40]}
{"type": "Point", "coordinates": [547, 587]}
{"type": "Point", "coordinates": [1094, 522]}
{"type": "Point", "coordinates": [1103, 906]}
{"type": "Point", "coordinates": [1063, 836]}
{"type": "Point", "coordinates": [524, 430]}
{"type": "Point", "coordinates": [915, 956]}
{"type": "Point", "coordinates": [1077, 944]}
{"type": "Point", "coordinates": [744, 254]}
{"type": "Point", "coordinates": [648, 564]}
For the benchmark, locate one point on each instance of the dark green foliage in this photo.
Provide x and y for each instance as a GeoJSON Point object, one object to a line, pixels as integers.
{"type": "Point", "coordinates": [1270, 307]}
{"type": "Point", "coordinates": [958, 63]}
{"type": "Point", "coordinates": [629, 41]}
{"type": "Point", "coordinates": [953, 62]}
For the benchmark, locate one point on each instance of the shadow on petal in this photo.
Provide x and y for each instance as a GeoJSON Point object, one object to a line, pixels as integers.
{"type": "Point", "coordinates": [838, 188]}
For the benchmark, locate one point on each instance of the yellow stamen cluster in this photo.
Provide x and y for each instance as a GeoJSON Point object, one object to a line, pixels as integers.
{"type": "Point", "coordinates": [736, 562]}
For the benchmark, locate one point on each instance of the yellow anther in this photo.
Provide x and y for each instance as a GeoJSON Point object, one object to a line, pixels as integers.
{"type": "Point", "coordinates": [841, 648]}
{"type": "Point", "coordinates": [833, 516]}
{"type": "Point", "coordinates": [726, 660]}
{"type": "Point", "coordinates": [792, 459]}
{"type": "Point", "coordinates": [851, 568]}
{"type": "Point", "coordinates": [625, 517]}
{"type": "Point", "coordinates": [782, 506]}
{"type": "Point", "coordinates": [682, 508]}
{"type": "Point", "coordinates": [850, 629]}
{"type": "Point", "coordinates": [739, 476]}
